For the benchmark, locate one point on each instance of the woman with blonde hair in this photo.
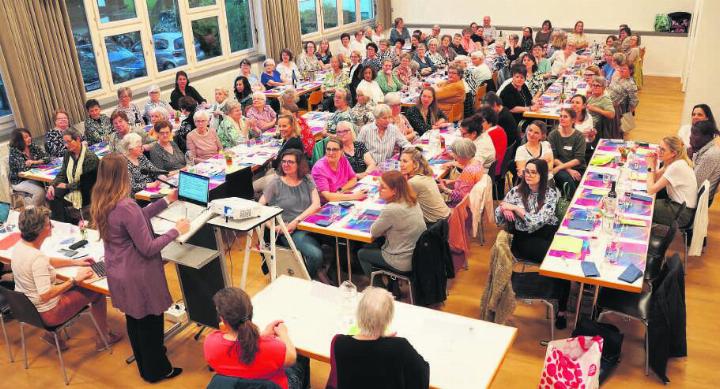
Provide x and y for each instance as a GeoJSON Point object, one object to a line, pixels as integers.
{"type": "Point", "coordinates": [393, 360]}
{"type": "Point", "coordinates": [677, 178]}
{"type": "Point", "coordinates": [135, 273]}
{"type": "Point", "coordinates": [401, 223]}
{"type": "Point", "coordinates": [218, 107]}
{"type": "Point", "coordinates": [416, 169]}
{"type": "Point", "coordinates": [356, 152]}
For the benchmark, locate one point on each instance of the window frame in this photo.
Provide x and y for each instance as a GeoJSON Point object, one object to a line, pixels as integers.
{"type": "Point", "coordinates": [98, 31]}
{"type": "Point", "coordinates": [342, 26]}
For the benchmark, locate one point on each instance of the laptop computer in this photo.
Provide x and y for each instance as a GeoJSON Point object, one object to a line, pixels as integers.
{"type": "Point", "coordinates": [193, 198]}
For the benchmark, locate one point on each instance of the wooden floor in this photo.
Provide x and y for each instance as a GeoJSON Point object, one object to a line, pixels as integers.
{"type": "Point", "coordinates": [658, 115]}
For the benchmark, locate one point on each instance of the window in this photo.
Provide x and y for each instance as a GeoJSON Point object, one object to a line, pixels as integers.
{"type": "Point", "coordinates": [318, 16]}
{"type": "Point", "coordinates": [125, 53]}
{"type": "Point", "coordinates": [308, 16]}
{"type": "Point", "coordinates": [330, 14]}
{"type": "Point", "coordinates": [200, 3]}
{"type": "Point", "coordinates": [4, 103]}
{"type": "Point", "coordinates": [207, 38]}
{"type": "Point", "coordinates": [84, 45]}
{"type": "Point", "coordinates": [237, 13]}
{"type": "Point", "coordinates": [349, 13]}
{"type": "Point", "coordinates": [139, 42]}
{"type": "Point", "coordinates": [367, 10]}
{"type": "Point", "coordinates": [167, 34]}
{"type": "Point", "coordinates": [113, 10]}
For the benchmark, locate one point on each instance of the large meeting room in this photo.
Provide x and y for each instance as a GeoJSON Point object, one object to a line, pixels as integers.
{"type": "Point", "coordinates": [359, 194]}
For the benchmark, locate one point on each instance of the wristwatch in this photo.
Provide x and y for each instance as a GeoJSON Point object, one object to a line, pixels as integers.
{"type": "Point", "coordinates": [649, 169]}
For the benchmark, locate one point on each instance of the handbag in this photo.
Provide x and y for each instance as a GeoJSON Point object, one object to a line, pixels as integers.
{"type": "Point", "coordinates": [627, 122]}
{"type": "Point", "coordinates": [572, 363]}
{"type": "Point", "coordinates": [563, 203]}
{"type": "Point", "coordinates": [612, 343]}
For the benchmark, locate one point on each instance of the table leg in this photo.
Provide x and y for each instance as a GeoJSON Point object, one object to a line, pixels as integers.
{"type": "Point", "coordinates": [347, 248]}
{"type": "Point", "coordinates": [246, 259]}
{"type": "Point", "coordinates": [337, 259]}
{"type": "Point", "coordinates": [595, 298]}
{"type": "Point", "coordinates": [273, 258]}
{"type": "Point", "coordinates": [285, 231]}
{"type": "Point", "coordinates": [578, 304]}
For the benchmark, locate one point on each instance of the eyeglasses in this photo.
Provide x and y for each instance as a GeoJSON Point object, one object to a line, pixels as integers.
{"type": "Point", "coordinates": [332, 149]}
{"type": "Point", "coordinates": [596, 85]}
{"type": "Point", "coordinates": [531, 172]}
{"type": "Point", "coordinates": [341, 132]}
{"type": "Point", "coordinates": [288, 162]}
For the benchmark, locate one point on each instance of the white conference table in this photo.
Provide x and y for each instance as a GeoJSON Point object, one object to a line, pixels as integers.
{"type": "Point", "coordinates": [462, 352]}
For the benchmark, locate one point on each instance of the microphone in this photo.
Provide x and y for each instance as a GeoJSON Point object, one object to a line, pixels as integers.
{"type": "Point", "coordinates": [157, 172]}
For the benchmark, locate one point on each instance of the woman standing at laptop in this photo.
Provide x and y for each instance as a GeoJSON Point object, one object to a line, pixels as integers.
{"type": "Point", "coordinates": [134, 266]}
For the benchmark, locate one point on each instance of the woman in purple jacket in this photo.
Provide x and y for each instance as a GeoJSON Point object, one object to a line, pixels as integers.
{"type": "Point", "coordinates": [134, 266]}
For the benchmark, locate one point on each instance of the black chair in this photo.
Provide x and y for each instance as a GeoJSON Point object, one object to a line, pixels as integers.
{"type": "Point", "coordinates": [635, 305]}
{"type": "Point", "coordinates": [394, 275]}
{"type": "Point", "coordinates": [531, 286]}
{"type": "Point", "coordinates": [500, 179]}
{"type": "Point", "coordinates": [224, 382]}
{"type": "Point", "coordinates": [661, 238]}
{"type": "Point", "coordinates": [5, 311]}
{"type": "Point", "coordinates": [25, 313]}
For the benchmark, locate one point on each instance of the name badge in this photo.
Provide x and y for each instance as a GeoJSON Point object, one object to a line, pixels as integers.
{"type": "Point", "coordinates": [568, 148]}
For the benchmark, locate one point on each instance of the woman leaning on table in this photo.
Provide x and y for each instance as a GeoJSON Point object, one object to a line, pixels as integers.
{"type": "Point", "coordinates": [139, 167]}
{"type": "Point", "coordinates": [240, 350]}
{"type": "Point", "coordinates": [400, 223]}
{"type": "Point", "coordinates": [530, 210]}
{"type": "Point", "coordinates": [165, 154]}
{"type": "Point", "coordinates": [135, 273]}
{"type": "Point", "coordinates": [674, 183]}
{"type": "Point", "coordinates": [23, 155]}
{"type": "Point", "coordinates": [393, 361]}
{"type": "Point", "coordinates": [416, 169]}
{"type": "Point", "coordinates": [334, 176]}
{"type": "Point", "coordinates": [34, 274]}
{"type": "Point", "coordinates": [356, 153]}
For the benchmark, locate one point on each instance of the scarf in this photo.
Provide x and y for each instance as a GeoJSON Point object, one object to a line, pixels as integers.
{"type": "Point", "coordinates": [73, 176]}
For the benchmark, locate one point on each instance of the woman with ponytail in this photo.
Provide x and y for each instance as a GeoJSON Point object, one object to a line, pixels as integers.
{"type": "Point", "coordinates": [240, 350]}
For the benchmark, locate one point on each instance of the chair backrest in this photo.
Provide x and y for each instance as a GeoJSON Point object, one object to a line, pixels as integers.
{"type": "Point", "coordinates": [508, 159]}
{"type": "Point", "coordinates": [318, 150]}
{"type": "Point", "coordinates": [456, 112]}
{"type": "Point", "coordinates": [672, 265]}
{"type": "Point", "coordinates": [667, 239]}
{"type": "Point", "coordinates": [315, 98]}
{"type": "Point", "coordinates": [22, 308]}
{"type": "Point", "coordinates": [479, 94]}
{"type": "Point", "coordinates": [225, 382]}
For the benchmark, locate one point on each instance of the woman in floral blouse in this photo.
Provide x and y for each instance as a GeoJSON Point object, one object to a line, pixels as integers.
{"type": "Point", "coordinates": [463, 151]}
{"type": "Point", "coordinates": [335, 79]}
{"type": "Point", "coordinates": [126, 105]}
{"type": "Point", "coordinates": [435, 56]}
{"type": "Point", "coordinates": [234, 128]}
{"type": "Point", "coordinates": [356, 152]}
{"type": "Point", "coordinates": [97, 124]}
{"type": "Point", "coordinates": [362, 112]}
{"type": "Point", "coordinates": [137, 162]}
{"type": "Point", "coordinates": [23, 156]}
{"type": "Point", "coordinates": [308, 62]}
{"type": "Point", "coordinates": [534, 80]}
{"type": "Point", "coordinates": [530, 208]}
{"type": "Point", "coordinates": [405, 71]}
{"type": "Point", "coordinates": [262, 114]}
{"type": "Point", "coordinates": [54, 143]}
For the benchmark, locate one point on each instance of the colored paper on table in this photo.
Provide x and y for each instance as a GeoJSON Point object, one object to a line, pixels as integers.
{"type": "Point", "coordinates": [580, 224]}
{"type": "Point", "coordinates": [568, 244]}
{"type": "Point", "coordinates": [641, 197]}
{"type": "Point", "coordinates": [595, 183]}
{"type": "Point", "coordinates": [625, 253]}
{"type": "Point", "coordinates": [638, 176]}
{"type": "Point", "coordinates": [363, 221]}
{"type": "Point", "coordinates": [588, 199]}
{"type": "Point", "coordinates": [633, 222]}
{"type": "Point", "coordinates": [633, 232]}
{"type": "Point", "coordinates": [598, 176]}
{"type": "Point", "coordinates": [637, 208]}
{"type": "Point", "coordinates": [600, 160]}
{"type": "Point", "coordinates": [599, 192]}
{"type": "Point", "coordinates": [328, 213]}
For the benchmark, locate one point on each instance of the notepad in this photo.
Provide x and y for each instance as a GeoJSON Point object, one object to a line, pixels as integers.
{"type": "Point", "coordinates": [599, 192]}
{"type": "Point", "coordinates": [637, 196]}
{"type": "Point", "coordinates": [581, 224]}
{"type": "Point", "coordinates": [602, 160]}
{"type": "Point", "coordinates": [630, 274]}
{"type": "Point", "coordinates": [632, 222]}
{"type": "Point", "coordinates": [566, 243]}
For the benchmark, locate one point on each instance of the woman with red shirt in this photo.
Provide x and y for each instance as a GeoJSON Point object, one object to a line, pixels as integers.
{"type": "Point", "coordinates": [496, 133]}
{"type": "Point", "coordinates": [240, 350]}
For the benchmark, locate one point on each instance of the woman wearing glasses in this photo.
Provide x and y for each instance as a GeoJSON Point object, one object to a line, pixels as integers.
{"type": "Point", "coordinates": [333, 175]}
{"type": "Point", "coordinates": [356, 153]}
{"type": "Point", "coordinates": [530, 209]}
{"type": "Point", "coordinates": [601, 107]}
{"type": "Point", "coordinates": [293, 190]}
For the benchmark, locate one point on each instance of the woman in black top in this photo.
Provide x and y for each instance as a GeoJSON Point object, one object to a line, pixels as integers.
{"type": "Point", "coordinates": [372, 358]}
{"type": "Point", "coordinates": [289, 132]}
{"type": "Point", "coordinates": [23, 156]}
{"type": "Point", "coordinates": [324, 54]}
{"type": "Point", "coordinates": [425, 115]}
{"type": "Point", "coordinates": [356, 152]}
{"type": "Point", "coordinates": [182, 89]}
{"type": "Point", "coordinates": [187, 106]}
{"type": "Point", "coordinates": [243, 91]}
{"type": "Point", "coordinates": [516, 96]}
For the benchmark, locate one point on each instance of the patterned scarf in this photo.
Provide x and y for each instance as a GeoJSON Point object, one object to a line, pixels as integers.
{"type": "Point", "coordinates": [73, 176]}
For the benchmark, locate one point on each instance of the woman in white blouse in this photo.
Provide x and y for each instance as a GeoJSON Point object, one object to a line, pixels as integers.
{"type": "Point", "coordinates": [287, 67]}
{"type": "Point", "coordinates": [536, 147]}
{"type": "Point", "coordinates": [369, 84]}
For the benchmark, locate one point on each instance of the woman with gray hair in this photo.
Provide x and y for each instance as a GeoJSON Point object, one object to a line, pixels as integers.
{"type": "Point", "coordinates": [393, 100]}
{"type": "Point", "coordinates": [234, 128]}
{"type": "Point", "coordinates": [139, 167]}
{"type": "Point", "coordinates": [356, 153]}
{"type": "Point", "coordinates": [262, 115]}
{"type": "Point", "coordinates": [203, 141]}
{"type": "Point", "coordinates": [381, 136]}
{"type": "Point", "coordinates": [154, 103]}
{"type": "Point", "coordinates": [362, 112]}
{"type": "Point", "coordinates": [393, 361]}
{"type": "Point", "coordinates": [126, 105]}
{"type": "Point", "coordinates": [467, 172]}
{"type": "Point", "coordinates": [341, 100]}
{"type": "Point", "coordinates": [34, 274]}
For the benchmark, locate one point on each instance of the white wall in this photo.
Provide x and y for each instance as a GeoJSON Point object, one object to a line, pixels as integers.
{"type": "Point", "coordinates": [665, 55]}
{"type": "Point", "coordinates": [702, 77]}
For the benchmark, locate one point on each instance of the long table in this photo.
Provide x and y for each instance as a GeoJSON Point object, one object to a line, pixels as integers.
{"type": "Point", "coordinates": [551, 104]}
{"type": "Point", "coordinates": [610, 253]}
{"type": "Point", "coordinates": [462, 352]}
{"type": "Point", "coordinates": [47, 172]}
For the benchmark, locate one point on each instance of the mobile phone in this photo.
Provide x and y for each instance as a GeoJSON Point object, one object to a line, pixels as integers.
{"type": "Point", "coordinates": [346, 204]}
{"type": "Point", "coordinates": [589, 269]}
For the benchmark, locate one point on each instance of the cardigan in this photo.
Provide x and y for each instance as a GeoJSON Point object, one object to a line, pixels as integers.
{"type": "Point", "coordinates": [135, 272]}
{"type": "Point", "coordinates": [189, 91]}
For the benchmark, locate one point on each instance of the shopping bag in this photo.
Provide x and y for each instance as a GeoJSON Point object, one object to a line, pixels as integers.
{"type": "Point", "coordinates": [572, 363]}
{"type": "Point", "coordinates": [627, 122]}
{"type": "Point", "coordinates": [662, 23]}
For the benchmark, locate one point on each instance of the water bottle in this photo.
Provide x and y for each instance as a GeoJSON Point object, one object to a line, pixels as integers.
{"type": "Point", "coordinates": [348, 295]}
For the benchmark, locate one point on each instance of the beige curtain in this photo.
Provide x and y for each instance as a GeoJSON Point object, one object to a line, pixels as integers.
{"type": "Point", "coordinates": [282, 26]}
{"type": "Point", "coordinates": [40, 68]}
{"type": "Point", "coordinates": [384, 13]}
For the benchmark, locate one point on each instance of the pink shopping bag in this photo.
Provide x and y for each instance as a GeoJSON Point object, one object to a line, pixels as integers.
{"type": "Point", "coordinates": [572, 363]}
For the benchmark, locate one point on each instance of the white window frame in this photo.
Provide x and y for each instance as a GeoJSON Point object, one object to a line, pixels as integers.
{"type": "Point", "coordinates": [99, 31]}
{"type": "Point", "coordinates": [342, 26]}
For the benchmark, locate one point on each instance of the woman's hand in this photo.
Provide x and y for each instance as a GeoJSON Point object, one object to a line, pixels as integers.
{"type": "Point", "coordinates": [575, 174]}
{"type": "Point", "coordinates": [270, 328]}
{"type": "Point", "coordinates": [87, 261]}
{"type": "Point", "coordinates": [651, 160]}
{"type": "Point", "coordinates": [359, 195]}
{"type": "Point", "coordinates": [509, 215]}
{"type": "Point", "coordinates": [154, 184]}
{"type": "Point", "coordinates": [172, 196]}
{"type": "Point", "coordinates": [292, 226]}
{"type": "Point", "coordinates": [50, 194]}
{"type": "Point", "coordinates": [29, 162]}
{"type": "Point", "coordinates": [83, 274]}
{"type": "Point", "coordinates": [182, 226]}
{"type": "Point", "coordinates": [281, 330]}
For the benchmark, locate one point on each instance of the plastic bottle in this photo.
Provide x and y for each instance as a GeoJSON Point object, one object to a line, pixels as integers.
{"type": "Point", "coordinates": [348, 295]}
